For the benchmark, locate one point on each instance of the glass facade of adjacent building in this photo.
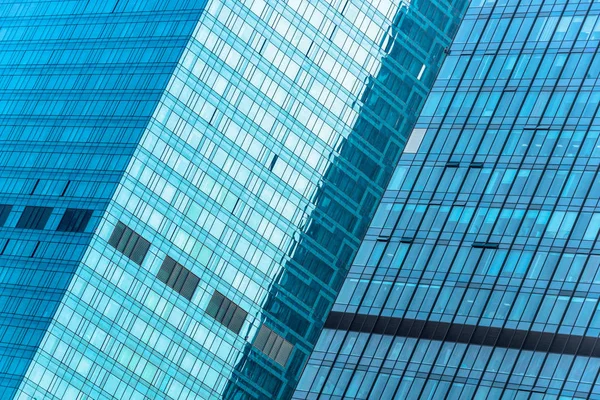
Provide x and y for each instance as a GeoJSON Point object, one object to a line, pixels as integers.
{"type": "Point", "coordinates": [79, 81]}
{"type": "Point", "coordinates": [479, 275]}
{"type": "Point", "coordinates": [184, 184]}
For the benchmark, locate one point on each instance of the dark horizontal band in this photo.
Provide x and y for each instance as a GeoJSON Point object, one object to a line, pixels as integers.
{"type": "Point", "coordinates": [468, 334]}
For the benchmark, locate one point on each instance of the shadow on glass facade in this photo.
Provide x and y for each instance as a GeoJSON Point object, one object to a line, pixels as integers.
{"type": "Point", "coordinates": [300, 299]}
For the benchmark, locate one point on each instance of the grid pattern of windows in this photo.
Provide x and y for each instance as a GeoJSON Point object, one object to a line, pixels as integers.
{"type": "Point", "coordinates": [272, 119]}
{"type": "Point", "coordinates": [79, 81]}
{"type": "Point", "coordinates": [178, 278]}
{"type": "Point", "coordinates": [226, 312]}
{"type": "Point", "coordinates": [259, 170]}
{"type": "Point", "coordinates": [486, 241]}
{"type": "Point", "coordinates": [412, 48]}
{"type": "Point", "coordinates": [375, 366]}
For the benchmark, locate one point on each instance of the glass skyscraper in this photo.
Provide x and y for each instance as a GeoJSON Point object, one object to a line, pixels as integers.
{"type": "Point", "coordinates": [79, 83]}
{"type": "Point", "coordinates": [185, 183]}
{"type": "Point", "coordinates": [479, 276]}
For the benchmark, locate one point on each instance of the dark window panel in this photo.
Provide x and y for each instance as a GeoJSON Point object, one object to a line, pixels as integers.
{"type": "Point", "coordinates": [124, 239]}
{"type": "Point", "coordinates": [190, 285]}
{"type": "Point", "coordinates": [215, 304]}
{"type": "Point", "coordinates": [269, 344]}
{"type": "Point", "coordinates": [222, 312]}
{"type": "Point", "coordinates": [115, 237]}
{"type": "Point", "coordinates": [273, 346]}
{"type": "Point", "coordinates": [34, 217]}
{"type": "Point", "coordinates": [174, 275]}
{"type": "Point", "coordinates": [238, 320]}
{"type": "Point", "coordinates": [166, 269]}
{"type": "Point", "coordinates": [178, 278]}
{"type": "Point", "coordinates": [74, 220]}
{"type": "Point", "coordinates": [284, 353]}
{"type": "Point", "coordinates": [128, 247]}
{"type": "Point", "coordinates": [140, 250]}
{"type": "Point", "coordinates": [4, 212]}
{"type": "Point", "coordinates": [226, 312]}
{"type": "Point", "coordinates": [262, 337]}
{"type": "Point", "coordinates": [129, 243]}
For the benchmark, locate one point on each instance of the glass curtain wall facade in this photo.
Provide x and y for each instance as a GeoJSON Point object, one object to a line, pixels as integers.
{"type": "Point", "coordinates": [186, 184]}
{"type": "Point", "coordinates": [78, 84]}
{"type": "Point", "coordinates": [411, 52]}
{"type": "Point", "coordinates": [478, 277]}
